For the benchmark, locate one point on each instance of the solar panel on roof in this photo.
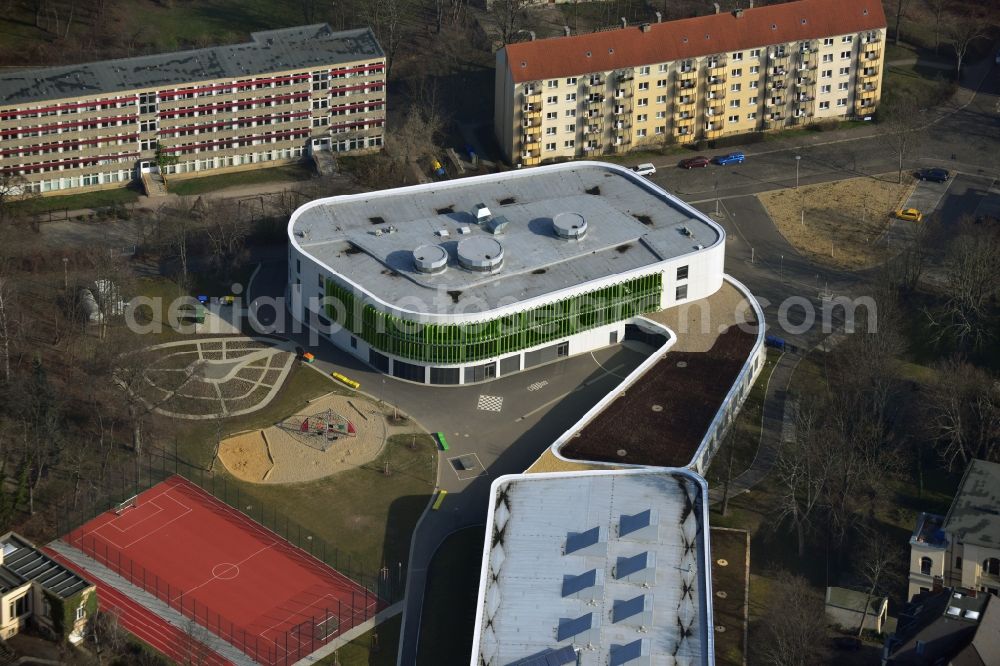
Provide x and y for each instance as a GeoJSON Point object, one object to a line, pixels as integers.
{"type": "Point", "coordinates": [569, 627]}
{"type": "Point", "coordinates": [622, 654]}
{"type": "Point", "coordinates": [548, 657]}
{"type": "Point", "coordinates": [573, 584]}
{"type": "Point", "coordinates": [627, 566]}
{"type": "Point", "coordinates": [628, 524]}
{"type": "Point", "coordinates": [626, 608]}
{"type": "Point", "coordinates": [578, 540]}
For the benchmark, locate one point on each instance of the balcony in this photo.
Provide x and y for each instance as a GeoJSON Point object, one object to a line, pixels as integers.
{"type": "Point", "coordinates": [865, 87]}
{"type": "Point", "coordinates": [622, 109]}
{"type": "Point", "coordinates": [713, 130]}
{"type": "Point", "coordinates": [622, 93]}
{"type": "Point", "coordinates": [776, 84]}
{"type": "Point", "coordinates": [772, 102]}
{"type": "Point", "coordinates": [595, 102]}
{"type": "Point", "coordinates": [716, 67]}
{"type": "Point", "coordinates": [594, 81]}
{"type": "Point", "coordinates": [774, 121]}
{"type": "Point", "coordinates": [776, 71]}
{"type": "Point", "coordinates": [868, 74]}
{"type": "Point", "coordinates": [715, 109]}
{"type": "Point", "coordinates": [807, 62]}
{"type": "Point", "coordinates": [804, 82]}
{"type": "Point", "coordinates": [716, 83]}
{"type": "Point", "coordinates": [534, 121]}
{"type": "Point", "coordinates": [680, 116]}
{"type": "Point", "coordinates": [531, 110]}
{"type": "Point", "coordinates": [593, 129]}
{"type": "Point", "coordinates": [530, 140]}
{"type": "Point", "coordinates": [687, 102]}
{"type": "Point", "coordinates": [533, 93]}
{"type": "Point", "coordinates": [864, 106]}
{"type": "Point", "coordinates": [531, 157]}
{"type": "Point", "coordinates": [778, 57]}
{"type": "Point", "coordinates": [684, 76]}
{"type": "Point", "coordinates": [624, 74]}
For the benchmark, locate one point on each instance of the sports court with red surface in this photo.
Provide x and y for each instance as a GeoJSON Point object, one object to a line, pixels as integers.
{"type": "Point", "coordinates": [242, 582]}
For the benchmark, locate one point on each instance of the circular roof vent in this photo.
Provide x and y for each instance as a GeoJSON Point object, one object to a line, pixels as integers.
{"type": "Point", "coordinates": [430, 259]}
{"type": "Point", "coordinates": [483, 255]}
{"type": "Point", "coordinates": [571, 226]}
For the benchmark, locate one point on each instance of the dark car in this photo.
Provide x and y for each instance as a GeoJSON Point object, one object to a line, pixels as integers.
{"type": "Point", "coordinates": [933, 175]}
{"type": "Point", "coordinates": [692, 162]}
{"type": "Point", "coordinates": [731, 158]}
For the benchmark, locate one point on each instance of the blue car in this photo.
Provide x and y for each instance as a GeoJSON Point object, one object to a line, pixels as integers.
{"type": "Point", "coordinates": [731, 158]}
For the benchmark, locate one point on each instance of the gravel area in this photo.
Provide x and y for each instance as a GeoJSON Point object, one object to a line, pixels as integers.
{"type": "Point", "coordinates": [698, 324]}
{"type": "Point", "coordinates": [845, 221]}
{"type": "Point", "coordinates": [296, 462]}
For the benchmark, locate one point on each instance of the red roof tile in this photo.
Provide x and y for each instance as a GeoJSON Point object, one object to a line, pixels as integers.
{"type": "Point", "coordinates": [689, 38]}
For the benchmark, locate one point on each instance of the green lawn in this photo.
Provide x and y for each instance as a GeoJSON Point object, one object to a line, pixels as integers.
{"type": "Point", "coordinates": [99, 199]}
{"type": "Point", "coordinates": [922, 85]}
{"type": "Point", "coordinates": [192, 186]}
{"type": "Point", "coordinates": [449, 613]}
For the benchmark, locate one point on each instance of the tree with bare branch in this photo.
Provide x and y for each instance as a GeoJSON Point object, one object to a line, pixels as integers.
{"type": "Point", "coordinates": [962, 413]}
{"type": "Point", "coordinates": [900, 130]}
{"type": "Point", "coordinates": [802, 470]}
{"type": "Point", "coordinates": [508, 17]}
{"type": "Point", "coordinates": [963, 30]}
{"type": "Point", "coordinates": [879, 563]}
{"type": "Point", "coordinates": [793, 624]}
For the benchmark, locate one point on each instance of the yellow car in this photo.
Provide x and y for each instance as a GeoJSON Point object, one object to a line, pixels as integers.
{"type": "Point", "coordinates": [911, 214]}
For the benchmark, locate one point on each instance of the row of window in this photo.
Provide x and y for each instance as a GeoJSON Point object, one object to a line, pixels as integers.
{"type": "Point", "coordinates": [45, 167]}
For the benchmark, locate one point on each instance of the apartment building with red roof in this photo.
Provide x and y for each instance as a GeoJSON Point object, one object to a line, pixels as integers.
{"type": "Point", "coordinates": [750, 70]}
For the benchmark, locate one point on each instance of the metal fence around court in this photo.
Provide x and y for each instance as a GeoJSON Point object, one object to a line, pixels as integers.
{"type": "Point", "coordinates": [381, 585]}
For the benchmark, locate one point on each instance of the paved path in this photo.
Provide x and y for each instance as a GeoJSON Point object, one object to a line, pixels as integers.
{"type": "Point", "coordinates": [775, 427]}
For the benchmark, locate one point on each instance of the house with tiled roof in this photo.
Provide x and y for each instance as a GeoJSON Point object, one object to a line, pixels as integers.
{"type": "Point", "coordinates": [36, 588]}
{"type": "Point", "coordinates": [706, 77]}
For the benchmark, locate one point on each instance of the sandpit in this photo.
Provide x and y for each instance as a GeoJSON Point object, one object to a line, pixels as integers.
{"type": "Point", "coordinates": [276, 455]}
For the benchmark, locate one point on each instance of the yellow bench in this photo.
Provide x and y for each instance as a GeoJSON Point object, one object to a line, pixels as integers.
{"type": "Point", "coordinates": [345, 380]}
{"type": "Point", "coordinates": [439, 499]}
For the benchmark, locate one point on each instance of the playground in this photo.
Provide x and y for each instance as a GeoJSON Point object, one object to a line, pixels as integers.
{"type": "Point", "coordinates": [331, 434]}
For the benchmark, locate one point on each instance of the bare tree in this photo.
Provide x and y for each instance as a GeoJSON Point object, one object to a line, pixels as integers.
{"type": "Point", "coordinates": [6, 326]}
{"type": "Point", "coordinates": [963, 30]}
{"type": "Point", "coordinates": [879, 564]}
{"type": "Point", "coordinates": [387, 19]}
{"type": "Point", "coordinates": [938, 9]}
{"type": "Point", "coordinates": [802, 470]}
{"type": "Point", "coordinates": [972, 283]}
{"type": "Point", "coordinates": [226, 232]}
{"type": "Point", "coordinates": [901, 7]}
{"type": "Point", "coordinates": [900, 130]}
{"type": "Point", "coordinates": [508, 17]}
{"type": "Point", "coordinates": [793, 624]}
{"type": "Point", "coordinates": [962, 412]}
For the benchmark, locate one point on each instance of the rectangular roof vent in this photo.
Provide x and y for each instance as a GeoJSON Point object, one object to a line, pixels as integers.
{"type": "Point", "coordinates": [549, 657]}
{"type": "Point", "coordinates": [574, 584]}
{"type": "Point", "coordinates": [570, 627]}
{"type": "Point", "coordinates": [623, 654]}
{"type": "Point", "coordinates": [626, 608]}
{"type": "Point", "coordinates": [576, 541]}
{"type": "Point", "coordinates": [639, 526]}
{"type": "Point", "coordinates": [630, 567]}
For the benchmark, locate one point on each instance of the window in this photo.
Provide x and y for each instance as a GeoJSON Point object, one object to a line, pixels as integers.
{"type": "Point", "coordinates": [571, 127]}
{"type": "Point", "coordinates": [661, 99]}
{"type": "Point", "coordinates": [298, 265]}
{"type": "Point", "coordinates": [549, 131]}
{"type": "Point", "coordinates": [18, 607]}
{"type": "Point", "coordinates": [958, 562]}
{"type": "Point", "coordinates": [354, 342]}
{"type": "Point", "coordinates": [846, 39]}
{"type": "Point", "coordinates": [660, 129]}
{"type": "Point", "coordinates": [738, 56]}
{"type": "Point", "coordinates": [319, 280]}
{"type": "Point", "coordinates": [823, 106]}
{"type": "Point", "coordinates": [828, 41]}
{"type": "Point", "coordinates": [81, 613]}
{"type": "Point", "coordinates": [842, 101]}
{"type": "Point", "coordinates": [642, 117]}
{"type": "Point", "coordinates": [842, 85]}
{"type": "Point", "coordinates": [682, 273]}
{"type": "Point", "coordinates": [991, 567]}
{"type": "Point", "coordinates": [147, 144]}
{"type": "Point", "coordinates": [147, 126]}
{"type": "Point", "coordinates": [734, 119]}
{"type": "Point", "coordinates": [827, 57]}
{"type": "Point", "coordinates": [925, 565]}
{"type": "Point", "coordinates": [569, 144]}
{"type": "Point", "coordinates": [147, 103]}
{"type": "Point", "coordinates": [640, 133]}
{"type": "Point", "coordinates": [552, 83]}
{"type": "Point", "coordinates": [550, 146]}
{"type": "Point", "coordinates": [661, 83]}
{"type": "Point", "coordinates": [752, 115]}
{"type": "Point", "coordinates": [643, 101]}
{"type": "Point", "coordinates": [644, 85]}
{"type": "Point", "coordinates": [754, 85]}
{"type": "Point", "coordinates": [643, 71]}
{"type": "Point", "coordinates": [827, 74]}
{"type": "Point", "coordinates": [755, 69]}
{"type": "Point", "coordinates": [752, 101]}
{"type": "Point", "coordinates": [662, 67]}
{"type": "Point", "coordinates": [735, 87]}
{"type": "Point", "coordinates": [825, 89]}
{"type": "Point", "coordinates": [570, 113]}
{"type": "Point", "coordinates": [551, 115]}
{"type": "Point", "coordinates": [755, 53]}
{"type": "Point", "coordinates": [845, 55]}
{"type": "Point", "coordinates": [661, 114]}
{"type": "Point", "coordinates": [571, 81]}
{"type": "Point", "coordinates": [737, 71]}
{"type": "Point", "coordinates": [681, 292]}
{"type": "Point", "coordinates": [844, 71]}
{"type": "Point", "coordinates": [552, 99]}
{"type": "Point", "coordinates": [734, 104]}
{"type": "Point", "coordinates": [571, 97]}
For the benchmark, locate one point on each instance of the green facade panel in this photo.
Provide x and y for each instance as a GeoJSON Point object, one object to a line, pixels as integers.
{"type": "Point", "coordinates": [465, 343]}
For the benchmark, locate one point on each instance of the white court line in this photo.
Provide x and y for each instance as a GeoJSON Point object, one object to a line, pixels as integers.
{"type": "Point", "coordinates": [237, 564]}
{"type": "Point", "coordinates": [353, 612]}
{"type": "Point", "coordinates": [152, 531]}
{"type": "Point", "coordinates": [159, 508]}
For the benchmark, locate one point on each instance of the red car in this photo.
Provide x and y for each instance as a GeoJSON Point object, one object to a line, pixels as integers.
{"type": "Point", "coordinates": [692, 162]}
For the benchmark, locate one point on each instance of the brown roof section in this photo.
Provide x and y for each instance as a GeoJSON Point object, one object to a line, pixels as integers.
{"type": "Point", "coordinates": [689, 38]}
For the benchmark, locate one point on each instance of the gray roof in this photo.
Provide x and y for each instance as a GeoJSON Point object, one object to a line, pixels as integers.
{"type": "Point", "coordinates": [974, 516]}
{"type": "Point", "coordinates": [21, 560]}
{"type": "Point", "coordinates": [269, 51]}
{"type": "Point", "coordinates": [370, 238]}
{"type": "Point", "coordinates": [852, 600]}
{"type": "Point", "coordinates": [536, 593]}
{"type": "Point", "coordinates": [945, 622]}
